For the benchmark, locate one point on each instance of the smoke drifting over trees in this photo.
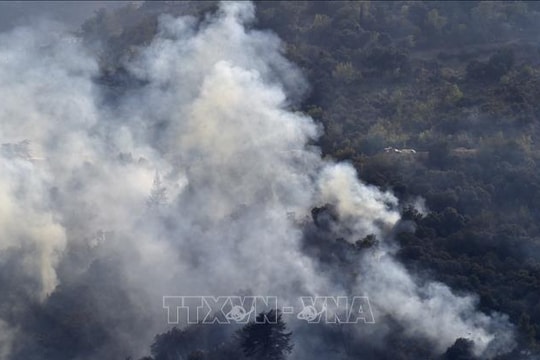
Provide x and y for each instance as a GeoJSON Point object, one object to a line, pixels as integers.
{"type": "Point", "coordinates": [181, 181]}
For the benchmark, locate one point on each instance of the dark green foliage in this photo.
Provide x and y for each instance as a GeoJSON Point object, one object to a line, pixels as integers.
{"type": "Point", "coordinates": [367, 242]}
{"type": "Point", "coordinates": [501, 62]}
{"type": "Point", "coordinates": [170, 345]}
{"type": "Point", "coordinates": [461, 350]}
{"type": "Point", "coordinates": [266, 338]}
{"type": "Point", "coordinates": [498, 65]}
{"type": "Point", "coordinates": [387, 59]}
{"type": "Point", "coordinates": [198, 341]}
{"type": "Point", "coordinates": [439, 155]}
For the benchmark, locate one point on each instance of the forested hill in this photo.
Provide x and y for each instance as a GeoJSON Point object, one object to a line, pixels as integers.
{"type": "Point", "coordinates": [457, 82]}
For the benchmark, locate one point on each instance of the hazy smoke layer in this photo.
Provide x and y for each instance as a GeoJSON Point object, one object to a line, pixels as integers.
{"type": "Point", "coordinates": [187, 183]}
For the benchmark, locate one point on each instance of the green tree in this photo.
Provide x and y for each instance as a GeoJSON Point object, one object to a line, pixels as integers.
{"type": "Point", "coordinates": [158, 194]}
{"type": "Point", "coordinates": [266, 338]}
{"type": "Point", "coordinates": [171, 345]}
{"type": "Point", "coordinates": [461, 350]}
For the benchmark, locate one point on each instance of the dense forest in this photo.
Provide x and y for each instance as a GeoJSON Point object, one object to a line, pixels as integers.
{"type": "Point", "coordinates": [458, 82]}
{"type": "Point", "coordinates": [435, 102]}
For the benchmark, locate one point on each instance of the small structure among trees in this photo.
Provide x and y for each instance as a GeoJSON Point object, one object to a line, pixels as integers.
{"type": "Point", "coordinates": [399, 151]}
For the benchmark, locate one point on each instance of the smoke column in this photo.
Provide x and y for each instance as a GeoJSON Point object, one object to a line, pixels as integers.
{"type": "Point", "coordinates": [211, 125]}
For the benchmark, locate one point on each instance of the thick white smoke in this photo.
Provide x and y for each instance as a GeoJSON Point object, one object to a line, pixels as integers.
{"type": "Point", "coordinates": [213, 119]}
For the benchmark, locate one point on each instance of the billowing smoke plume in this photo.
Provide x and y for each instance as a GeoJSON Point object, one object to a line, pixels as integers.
{"type": "Point", "coordinates": [184, 185]}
